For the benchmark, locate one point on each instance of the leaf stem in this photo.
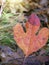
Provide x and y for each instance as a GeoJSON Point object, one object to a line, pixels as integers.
{"type": "Point", "coordinates": [24, 60]}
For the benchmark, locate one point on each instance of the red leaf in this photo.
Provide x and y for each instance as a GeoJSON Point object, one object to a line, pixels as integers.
{"type": "Point", "coordinates": [34, 23]}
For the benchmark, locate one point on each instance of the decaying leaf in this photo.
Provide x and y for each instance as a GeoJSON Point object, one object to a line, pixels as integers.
{"type": "Point", "coordinates": [29, 41]}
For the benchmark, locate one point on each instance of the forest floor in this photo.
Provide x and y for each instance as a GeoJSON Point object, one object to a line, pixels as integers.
{"type": "Point", "coordinates": [10, 53]}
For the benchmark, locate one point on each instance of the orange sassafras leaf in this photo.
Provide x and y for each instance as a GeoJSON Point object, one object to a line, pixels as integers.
{"type": "Point", "coordinates": [28, 41]}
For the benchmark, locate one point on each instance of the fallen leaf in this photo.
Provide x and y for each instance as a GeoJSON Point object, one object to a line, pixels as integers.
{"type": "Point", "coordinates": [28, 41]}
